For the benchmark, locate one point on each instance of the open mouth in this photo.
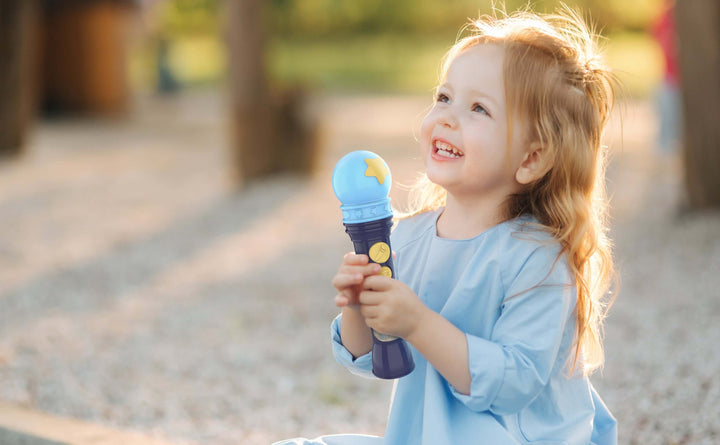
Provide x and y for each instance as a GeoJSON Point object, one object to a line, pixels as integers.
{"type": "Point", "coordinates": [446, 150]}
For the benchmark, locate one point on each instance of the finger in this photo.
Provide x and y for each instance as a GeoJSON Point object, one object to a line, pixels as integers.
{"type": "Point", "coordinates": [394, 254]}
{"type": "Point", "coordinates": [341, 300]}
{"type": "Point", "coordinates": [344, 280]}
{"type": "Point", "coordinates": [377, 283]}
{"type": "Point", "coordinates": [369, 312]}
{"type": "Point", "coordinates": [355, 259]}
{"type": "Point", "coordinates": [365, 270]}
{"type": "Point", "coordinates": [368, 298]}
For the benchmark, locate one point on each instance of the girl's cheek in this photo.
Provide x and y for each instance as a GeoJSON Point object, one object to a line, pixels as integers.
{"type": "Point", "coordinates": [426, 134]}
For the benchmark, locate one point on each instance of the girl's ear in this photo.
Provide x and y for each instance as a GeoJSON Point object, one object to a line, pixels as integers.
{"type": "Point", "coordinates": [533, 166]}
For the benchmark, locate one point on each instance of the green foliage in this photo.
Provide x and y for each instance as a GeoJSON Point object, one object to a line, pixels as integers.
{"type": "Point", "coordinates": [382, 45]}
{"type": "Point", "coordinates": [336, 18]}
{"type": "Point", "coordinates": [321, 18]}
{"type": "Point", "coordinates": [623, 15]}
{"type": "Point", "coordinates": [182, 17]}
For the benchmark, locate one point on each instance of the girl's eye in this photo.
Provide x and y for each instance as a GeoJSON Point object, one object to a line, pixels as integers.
{"type": "Point", "coordinates": [442, 97]}
{"type": "Point", "coordinates": [479, 109]}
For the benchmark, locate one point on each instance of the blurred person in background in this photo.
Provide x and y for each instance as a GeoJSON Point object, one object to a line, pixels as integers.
{"type": "Point", "coordinates": [667, 97]}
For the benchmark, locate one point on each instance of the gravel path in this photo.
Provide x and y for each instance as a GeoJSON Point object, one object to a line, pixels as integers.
{"type": "Point", "coordinates": [140, 291]}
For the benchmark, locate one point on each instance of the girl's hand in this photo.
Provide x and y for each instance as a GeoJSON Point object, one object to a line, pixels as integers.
{"type": "Point", "coordinates": [390, 307]}
{"type": "Point", "coordinates": [349, 278]}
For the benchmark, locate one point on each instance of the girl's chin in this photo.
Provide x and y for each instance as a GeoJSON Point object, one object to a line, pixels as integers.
{"type": "Point", "coordinates": [440, 178]}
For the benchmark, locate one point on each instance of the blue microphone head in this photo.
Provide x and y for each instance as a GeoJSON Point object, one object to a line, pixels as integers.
{"type": "Point", "coordinates": [361, 181]}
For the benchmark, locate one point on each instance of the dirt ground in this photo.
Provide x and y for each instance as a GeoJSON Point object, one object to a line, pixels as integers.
{"type": "Point", "coordinates": [140, 290]}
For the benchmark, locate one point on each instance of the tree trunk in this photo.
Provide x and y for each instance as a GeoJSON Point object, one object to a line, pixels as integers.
{"type": "Point", "coordinates": [269, 133]}
{"type": "Point", "coordinates": [85, 54]}
{"type": "Point", "coordinates": [698, 26]}
{"type": "Point", "coordinates": [18, 82]}
{"type": "Point", "coordinates": [251, 113]}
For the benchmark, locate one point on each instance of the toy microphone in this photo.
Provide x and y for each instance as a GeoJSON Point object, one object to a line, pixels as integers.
{"type": "Point", "coordinates": [361, 181]}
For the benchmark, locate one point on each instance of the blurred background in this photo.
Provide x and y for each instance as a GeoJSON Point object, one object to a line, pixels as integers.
{"type": "Point", "coordinates": [169, 229]}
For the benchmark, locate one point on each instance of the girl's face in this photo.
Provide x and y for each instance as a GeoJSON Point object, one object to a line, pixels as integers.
{"type": "Point", "coordinates": [464, 138]}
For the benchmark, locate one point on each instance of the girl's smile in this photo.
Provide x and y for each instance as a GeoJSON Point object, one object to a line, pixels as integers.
{"type": "Point", "coordinates": [444, 151]}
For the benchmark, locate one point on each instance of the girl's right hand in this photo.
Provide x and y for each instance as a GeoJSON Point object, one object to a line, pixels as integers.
{"type": "Point", "coordinates": [349, 278]}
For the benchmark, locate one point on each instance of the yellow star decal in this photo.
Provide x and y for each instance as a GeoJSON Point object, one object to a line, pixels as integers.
{"type": "Point", "coordinates": [376, 168]}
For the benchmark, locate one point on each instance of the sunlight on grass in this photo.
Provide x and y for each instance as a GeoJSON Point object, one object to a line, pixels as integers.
{"type": "Point", "coordinates": [637, 61]}
{"type": "Point", "coordinates": [194, 60]}
{"type": "Point", "coordinates": [370, 64]}
{"type": "Point", "coordinates": [198, 59]}
{"type": "Point", "coordinates": [380, 63]}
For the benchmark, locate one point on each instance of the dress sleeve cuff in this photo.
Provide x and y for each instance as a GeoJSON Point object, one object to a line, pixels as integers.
{"type": "Point", "coordinates": [361, 366]}
{"type": "Point", "coordinates": [487, 371]}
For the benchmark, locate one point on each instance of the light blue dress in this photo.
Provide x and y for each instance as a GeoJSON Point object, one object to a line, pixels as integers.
{"type": "Point", "coordinates": [514, 298]}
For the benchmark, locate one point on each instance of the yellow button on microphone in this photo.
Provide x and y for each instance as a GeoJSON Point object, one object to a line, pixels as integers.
{"type": "Point", "coordinates": [379, 252]}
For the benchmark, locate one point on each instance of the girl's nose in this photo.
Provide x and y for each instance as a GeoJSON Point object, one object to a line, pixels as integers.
{"type": "Point", "coordinates": [447, 119]}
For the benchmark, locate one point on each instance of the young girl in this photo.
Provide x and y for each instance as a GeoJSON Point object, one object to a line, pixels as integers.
{"type": "Point", "coordinates": [504, 269]}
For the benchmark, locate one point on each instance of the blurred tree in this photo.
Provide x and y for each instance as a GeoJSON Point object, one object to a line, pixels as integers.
{"type": "Point", "coordinates": [18, 82]}
{"type": "Point", "coordinates": [269, 134]}
{"type": "Point", "coordinates": [698, 25]}
{"type": "Point", "coordinates": [248, 89]}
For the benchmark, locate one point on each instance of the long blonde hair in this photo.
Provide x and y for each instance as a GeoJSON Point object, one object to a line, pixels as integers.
{"type": "Point", "coordinates": [555, 82]}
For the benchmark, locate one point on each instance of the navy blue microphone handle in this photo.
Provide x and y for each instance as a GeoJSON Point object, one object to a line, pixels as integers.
{"type": "Point", "coordinates": [391, 356]}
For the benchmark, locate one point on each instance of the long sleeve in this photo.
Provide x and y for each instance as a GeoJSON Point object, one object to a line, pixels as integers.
{"type": "Point", "coordinates": [361, 366]}
{"type": "Point", "coordinates": [514, 297]}
{"type": "Point", "coordinates": [511, 368]}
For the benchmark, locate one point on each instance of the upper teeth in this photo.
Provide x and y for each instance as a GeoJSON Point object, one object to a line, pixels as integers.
{"type": "Point", "coordinates": [447, 150]}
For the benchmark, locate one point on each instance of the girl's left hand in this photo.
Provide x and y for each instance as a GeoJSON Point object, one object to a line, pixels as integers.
{"type": "Point", "coordinates": [390, 307]}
